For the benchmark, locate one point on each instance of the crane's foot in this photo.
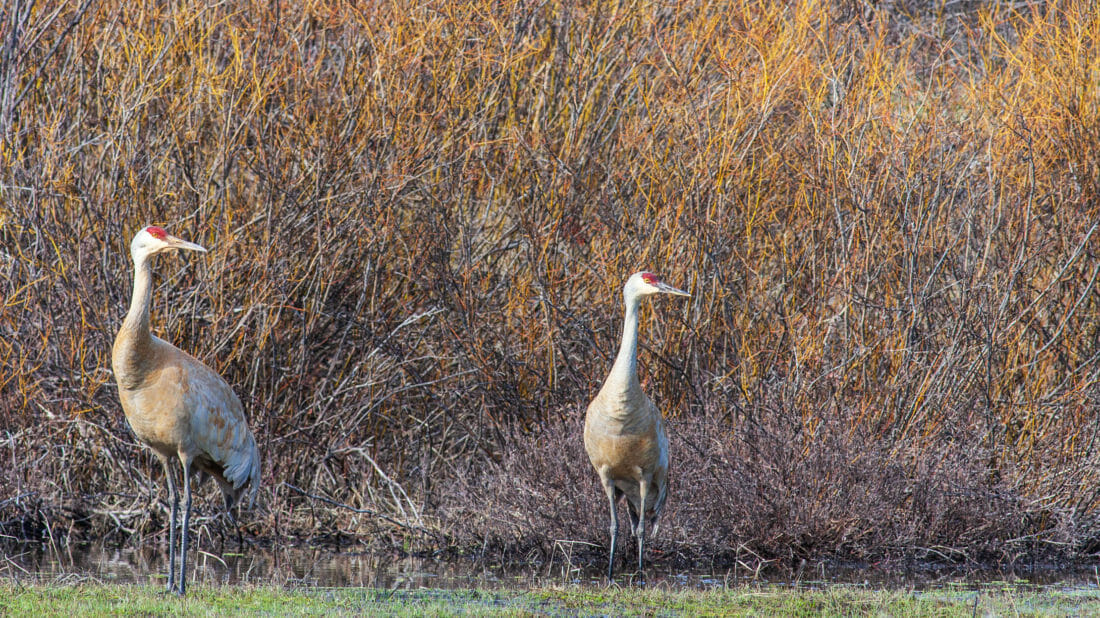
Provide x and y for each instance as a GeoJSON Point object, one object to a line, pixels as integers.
{"type": "Point", "coordinates": [171, 590]}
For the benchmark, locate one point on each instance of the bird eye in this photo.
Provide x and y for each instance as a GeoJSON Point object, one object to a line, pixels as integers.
{"type": "Point", "coordinates": [156, 232]}
{"type": "Point", "coordinates": [649, 278]}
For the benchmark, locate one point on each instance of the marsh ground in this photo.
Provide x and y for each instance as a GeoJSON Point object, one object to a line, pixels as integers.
{"type": "Point", "coordinates": [298, 581]}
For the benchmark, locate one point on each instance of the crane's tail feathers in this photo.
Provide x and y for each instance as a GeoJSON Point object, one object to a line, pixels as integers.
{"type": "Point", "coordinates": [245, 470]}
{"type": "Point", "coordinates": [253, 476]}
{"type": "Point", "coordinates": [254, 481]}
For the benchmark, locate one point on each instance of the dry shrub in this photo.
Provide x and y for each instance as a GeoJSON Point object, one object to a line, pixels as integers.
{"type": "Point", "coordinates": [420, 216]}
{"type": "Point", "coordinates": [762, 498]}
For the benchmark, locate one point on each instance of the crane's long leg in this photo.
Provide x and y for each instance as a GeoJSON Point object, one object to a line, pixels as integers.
{"type": "Point", "coordinates": [186, 524]}
{"type": "Point", "coordinates": [612, 497]}
{"type": "Point", "coordinates": [174, 499]}
{"type": "Point", "coordinates": [643, 489]}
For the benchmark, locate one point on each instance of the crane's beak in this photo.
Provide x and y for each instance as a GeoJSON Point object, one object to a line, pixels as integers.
{"type": "Point", "coordinates": [668, 289]}
{"type": "Point", "coordinates": [179, 243]}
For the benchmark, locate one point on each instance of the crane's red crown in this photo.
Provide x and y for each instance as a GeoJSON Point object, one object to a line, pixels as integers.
{"type": "Point", "coordinates": [650, 278]}
{"type": "Point", "coordinates": [156, 232]}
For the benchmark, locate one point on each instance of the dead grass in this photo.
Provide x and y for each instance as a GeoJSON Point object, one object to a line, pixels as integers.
{"type": "Point", "coordinates": [420, 215]}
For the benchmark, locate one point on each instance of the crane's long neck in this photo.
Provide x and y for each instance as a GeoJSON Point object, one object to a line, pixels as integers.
{"type": "Point", "coordinates": [134, 341]}
{"type": "Point", "coordinates": [624, 373]}
{"type": "Point", "coordinates": [137, 319]}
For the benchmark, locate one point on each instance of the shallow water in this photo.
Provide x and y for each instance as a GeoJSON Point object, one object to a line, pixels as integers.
{"type": "Point", "coordinates": [294, 566]}
{"type": "Point", "coordinates": [287, 567]}
{"type": "Point", "coordinates": [297, 566]}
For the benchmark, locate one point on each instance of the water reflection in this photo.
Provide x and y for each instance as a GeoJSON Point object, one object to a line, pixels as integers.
{"type": "Point", "coordinates": [324, 567]}
{"type": "Point", "coordinates": [314, 567]}
{"type": "Point", "coordinates": [284, 567]}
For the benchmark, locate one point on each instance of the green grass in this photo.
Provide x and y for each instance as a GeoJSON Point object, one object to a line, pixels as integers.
{"type": "Point", "coordinates": [100, 599]}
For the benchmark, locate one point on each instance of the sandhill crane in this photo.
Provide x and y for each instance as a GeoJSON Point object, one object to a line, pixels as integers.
{"type": "Point", "coordinates": [623, 430]}
{"type": "Point", "coordinates": [179, 407]}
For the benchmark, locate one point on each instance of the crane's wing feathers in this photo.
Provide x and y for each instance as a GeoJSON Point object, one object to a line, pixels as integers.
{"type": "Point", "coordinates": [219, 430]}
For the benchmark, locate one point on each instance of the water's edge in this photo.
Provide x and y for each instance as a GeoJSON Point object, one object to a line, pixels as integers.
{"type": "Point", "coordinates": [298, 566]}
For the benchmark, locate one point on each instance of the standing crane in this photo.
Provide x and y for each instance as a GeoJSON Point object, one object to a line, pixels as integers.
{"type": "Point", "coordinates": [179, 407]}
{"type": "Point", "coordinates": [623, 430]}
